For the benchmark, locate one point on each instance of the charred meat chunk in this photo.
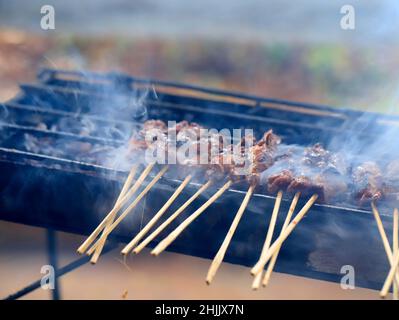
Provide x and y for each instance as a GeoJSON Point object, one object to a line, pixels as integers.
{"type": "Point", "coordinates": [367, 179]}
{"type": "Point", "coordinates": [261, 156]}
{"type": "Point", "coordinates": [317, 156]}
{"type": "Point", "coordinates": [154, 124]}
{"type": "Point", "coordinates": [280, 181]}
{"type": "Point", "coordinates": [306, 186]}
{"type": "Point", "coordinates": [312, 170]}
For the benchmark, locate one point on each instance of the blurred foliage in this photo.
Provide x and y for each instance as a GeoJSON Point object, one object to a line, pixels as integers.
{"type": "Point", "coordinates": [318, 73]}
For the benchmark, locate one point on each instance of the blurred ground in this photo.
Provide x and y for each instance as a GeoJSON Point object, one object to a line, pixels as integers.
{"type": "Point", "coordinates": [169, 276]}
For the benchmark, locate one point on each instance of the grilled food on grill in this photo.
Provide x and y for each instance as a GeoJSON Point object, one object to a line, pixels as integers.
{"type": "Point", "coordinates": [367, 179]}
{"type": "Point", "coordinates": [268, 163]}
{"type": "Point", "coordinates": [373, 183]}
{"type": "Point", "coordinates": [262, 156]}
{"type": "Point", "coordinates": [391, 178]}
{"type": "Point", "coordinates": [313, 170]}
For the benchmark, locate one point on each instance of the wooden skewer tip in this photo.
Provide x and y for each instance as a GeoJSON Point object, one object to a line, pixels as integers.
{"type": "Point", "coordinates": [287, 220]}
{"type": "Point", "coordinates": [268, 239]}
{"type": "Point", "coordinates": [218, 259]}
{"type": "Point", "coordinates": [259, 265]}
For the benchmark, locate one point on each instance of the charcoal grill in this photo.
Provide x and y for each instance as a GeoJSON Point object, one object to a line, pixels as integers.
{"type": "Point", "coordinates": [70, 193]}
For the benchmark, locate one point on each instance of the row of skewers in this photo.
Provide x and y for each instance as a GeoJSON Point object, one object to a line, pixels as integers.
{"type": "Point", "coordinates": [313, 172]}
{"type": "Point", "coordinates": [392, 253]}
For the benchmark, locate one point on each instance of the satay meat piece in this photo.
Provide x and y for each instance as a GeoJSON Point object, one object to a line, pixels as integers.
{"type": "Point", "coordinates": [261, 156]}
{"type": "Point", "coordinates": [280, 181]}
{"type": "Point", "coordinates": [317, 156]}
{"type": "Point", "coordinates": [367, 179]}
{"type": "Point", "coordinates": [306, 186]}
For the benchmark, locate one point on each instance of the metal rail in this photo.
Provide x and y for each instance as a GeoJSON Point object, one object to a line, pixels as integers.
{"type": "Point", "coordinates": [48, 74]}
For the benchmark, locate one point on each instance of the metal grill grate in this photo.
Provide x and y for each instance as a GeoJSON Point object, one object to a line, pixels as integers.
{"type": "Point", "coordinates": [68, 192]}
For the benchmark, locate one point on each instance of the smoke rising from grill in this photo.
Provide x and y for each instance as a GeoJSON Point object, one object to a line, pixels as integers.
{"type": "Point", "coordinates": [105, 117]}
{"type": "Point", "coordinates": [87, 197]}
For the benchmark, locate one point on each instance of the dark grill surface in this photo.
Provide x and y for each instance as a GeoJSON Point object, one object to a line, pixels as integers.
{"type": "Point", "coordinates": [60, 186]}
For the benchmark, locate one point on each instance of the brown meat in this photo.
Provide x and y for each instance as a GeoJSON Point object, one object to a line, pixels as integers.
{"type": "Point", "coordinates": [318, 157]}
{"type": "Point", "coordinates": [279, 181]}
{"type": "Point", "coordinates": [306, 186]}
{"type": "Point", "coordinates": [367, 179]}
{"type": "Point", "coordinates": [391, 181]}
{"type": "Point", "coordinates": [137, 144]}
{"type": "Point", "coordinates": [154, 124]}
{"type": "Point", "coordinates": [270, 140]}
{"type": "Point", "coordinates": [187, 130]}
{"type": "Point", "coordinates": [334, 186]}
{"type": "Point", "coordinates": [261, 156]}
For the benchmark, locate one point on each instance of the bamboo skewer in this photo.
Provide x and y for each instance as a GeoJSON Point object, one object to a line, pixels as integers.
{"type": "Point", "coordinates": [390, 277]}
{"type": "Point", "coordinates": [268, 240]}
{"type": "Point", "coordinates": [114, 211]}
{"type": "Point", "coordinates": [223, 248]}
{"type": "Point", "coordinates": [395, 245]}
{"type": "Point", "coordinates": [111, 216]}
{"type": "Point", "coordinates": [175, 233]}
{"type": "Point", "coordinates": [128, 182]}
{"type": "Point", "coordinates": [128, 210]}
{"type": "Point", "coordinates": [156, 217]}
{"type": "Point", "coordinates": [116, 208]}
{"type": "Point", "coordinates": [125, 188]}
{"type": "Point", "coordinates": [287, 220]}
{"type": "Point", "coordinates": [384, 237]}
{"type": "Point", "coordinates": [259, 265]}
{"type": "Point", "coordinates": [167, 222]}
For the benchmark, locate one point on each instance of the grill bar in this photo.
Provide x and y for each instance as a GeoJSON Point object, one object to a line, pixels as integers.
{"type": "Point", "coordinates": [52, 76]}
{"type": "Point", "coordinates": [293, 131]}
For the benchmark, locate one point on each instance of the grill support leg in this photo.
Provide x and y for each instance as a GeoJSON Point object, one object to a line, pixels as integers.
{"type": "Point", "coordinates": [53, 261]}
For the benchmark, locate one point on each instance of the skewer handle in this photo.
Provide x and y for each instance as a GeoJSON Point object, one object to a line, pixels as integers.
{"type": "Point", "coordinates": [390, 277]}
{"type": "Point", "coordinates": [167, 222]}
{"type": "Point", "coordinates": [268, 240]}
{"type": "Point", "coordinates": [156, 217]}
{"type": "Point", "coordinates": [130, 207]}
{"type": "Point", "coordinates": [384, 237]}
{"type": "Point", "coordinates": [287, 220]}
{"type": "Point", "coordinates": [223, 248]}
{"type": "Point", "coordinates": [113, 212]}
{"type": "Point", "coordinates": [125, 188]}
{"type": "Point", "coordinates": [257, 280]}
{"type": "Point", "coordinates": [259, 265]}
{"type": "Point", "coordinates": [395, 245]}
{"type": "Point", "coordinates": [175, 233]}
